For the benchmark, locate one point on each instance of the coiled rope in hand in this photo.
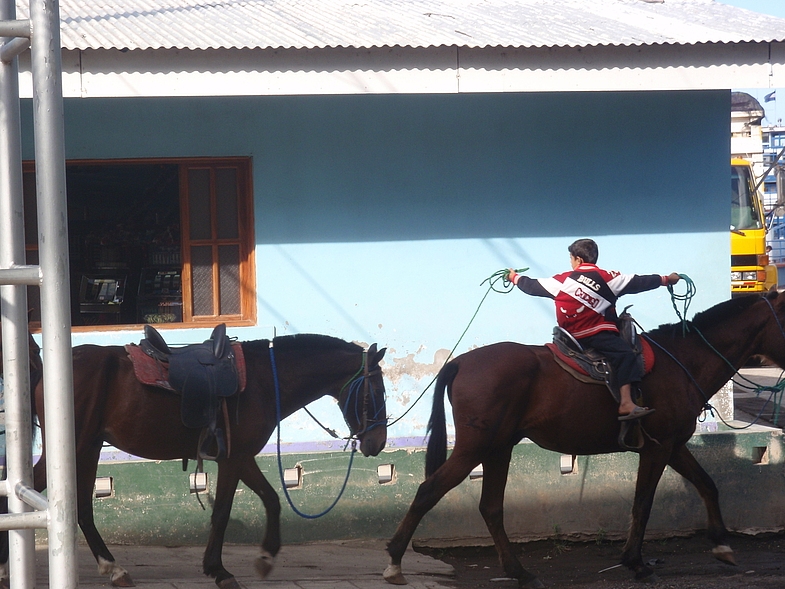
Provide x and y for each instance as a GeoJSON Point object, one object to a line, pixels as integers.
{"type": "Point", "coordinates": [775, 392]}
{"type": "Point", "coordinates": [685, 299]}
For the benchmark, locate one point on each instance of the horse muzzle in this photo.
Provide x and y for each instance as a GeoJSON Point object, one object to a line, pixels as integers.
{"type": "Point", "coordinates": [372, 442]}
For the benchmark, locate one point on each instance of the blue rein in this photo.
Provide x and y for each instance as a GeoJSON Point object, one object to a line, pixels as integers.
{"type": "Point", "coordinates": [356, 385]}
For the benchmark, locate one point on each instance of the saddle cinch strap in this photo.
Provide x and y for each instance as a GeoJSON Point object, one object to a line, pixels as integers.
{"type": "Point", "coordinates": [203, 374]}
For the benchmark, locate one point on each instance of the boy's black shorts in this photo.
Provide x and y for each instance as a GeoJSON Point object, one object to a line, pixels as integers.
{"type": "Point", "coordinates": [618, 353]}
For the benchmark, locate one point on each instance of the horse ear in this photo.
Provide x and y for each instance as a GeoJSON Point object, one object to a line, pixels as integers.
{"type": "Point", "coordinates": [378, 355]}
{"type": "Point", "coordinates": [772, 293]}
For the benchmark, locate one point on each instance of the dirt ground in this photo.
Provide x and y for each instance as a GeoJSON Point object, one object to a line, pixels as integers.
{"type": "Point", "coordinates": [679, 563]}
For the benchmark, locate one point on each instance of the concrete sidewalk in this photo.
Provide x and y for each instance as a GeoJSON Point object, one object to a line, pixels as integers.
{"type": "Point", "coordinates": [324, 565]}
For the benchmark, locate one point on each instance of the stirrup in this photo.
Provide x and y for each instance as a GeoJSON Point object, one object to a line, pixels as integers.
{"type": "Point", "coordinates": [206, 438]}
{"type": "Point", "coordinates": [635, 428]}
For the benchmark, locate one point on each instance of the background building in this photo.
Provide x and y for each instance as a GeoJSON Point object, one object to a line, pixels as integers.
{"type": "Point", "coordinates": [380, 160]}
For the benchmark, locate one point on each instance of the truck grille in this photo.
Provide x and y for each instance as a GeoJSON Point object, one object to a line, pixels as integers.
{"type": "Point", "coordinates": [745, 260]}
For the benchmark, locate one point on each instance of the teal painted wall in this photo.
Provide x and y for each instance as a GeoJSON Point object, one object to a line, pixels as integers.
{"type": "Point", "coordinates": [378, 216]}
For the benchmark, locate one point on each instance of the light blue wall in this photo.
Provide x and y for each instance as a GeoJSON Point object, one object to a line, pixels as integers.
{"type": "Point", "coordinates": [377, 217]}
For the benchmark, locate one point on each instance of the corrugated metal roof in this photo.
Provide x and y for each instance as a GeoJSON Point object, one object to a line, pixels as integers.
{"type": "Point", "coordinates": [310, 24]}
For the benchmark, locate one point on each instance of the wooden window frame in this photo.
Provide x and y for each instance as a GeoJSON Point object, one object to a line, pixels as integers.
{"type": "Point", "coordinates": [244, 226]}
{"type": "Point", "coordinates": [246, 241]}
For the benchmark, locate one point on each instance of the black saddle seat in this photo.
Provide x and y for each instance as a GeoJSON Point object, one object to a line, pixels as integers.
{"type": "Point", "coordinates": [155, 345]}
{"type": "Point", "coordinates": [201, 373]}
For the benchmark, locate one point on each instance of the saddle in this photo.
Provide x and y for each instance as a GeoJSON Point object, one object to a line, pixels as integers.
{"type": "Point", "coordinates": [202, 374]}
{"type": "Point", "coordinates": [589, 366]}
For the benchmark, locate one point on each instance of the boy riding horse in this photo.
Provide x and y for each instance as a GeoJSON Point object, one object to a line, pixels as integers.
{"type": "Point", "coordinates": [585, 307]}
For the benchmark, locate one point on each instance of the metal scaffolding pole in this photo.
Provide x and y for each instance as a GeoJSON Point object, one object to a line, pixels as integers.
{"type": "Point", "coordinates": [58, 512]}
{"type": "Point", "coordinates": [13, 301]}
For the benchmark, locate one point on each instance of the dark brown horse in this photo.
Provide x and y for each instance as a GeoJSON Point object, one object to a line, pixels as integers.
{"type": "Point", "coordinates": [112, 406]}
{"type": "Point", "coordinates": [504, 392]}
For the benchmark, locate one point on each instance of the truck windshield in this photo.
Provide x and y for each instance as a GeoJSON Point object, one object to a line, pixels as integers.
{"type": "Point", "coordinates": [743, 213]}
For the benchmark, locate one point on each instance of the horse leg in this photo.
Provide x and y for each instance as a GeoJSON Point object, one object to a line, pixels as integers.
{"type": "Point", "coordinates": [226, 486]}
{"type": "Point", "coordinates": [256, 481]}
{"type": "Point", "coordinates": [447, 476]}
{"type": "Point", "coordinates": [494, 481]}
{"type": "Point", "coordinates": [650, 469]}
{"type": "Point", "coordinates": [87, 469]}
{"type": "Point", "coordinates": [683, 462]}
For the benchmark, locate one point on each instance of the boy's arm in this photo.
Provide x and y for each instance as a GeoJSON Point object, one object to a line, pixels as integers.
{"type": "Point", "coordinates": [532, 286]}
{"type": "Point", "coordinates": [637, 283]}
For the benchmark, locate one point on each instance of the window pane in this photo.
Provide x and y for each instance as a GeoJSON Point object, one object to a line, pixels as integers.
{"type": "Point", "coordinates": [226, 196]}
{"type": "Point", "coordinates": [229, 259]}
{"type": "Point", "coordinates": [202, 279]}
{"type": "Point", "coordinates": [199, 203]}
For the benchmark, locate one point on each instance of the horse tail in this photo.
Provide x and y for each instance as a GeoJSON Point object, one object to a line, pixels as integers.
{"type": "Point", "coordinates": [436, 455]}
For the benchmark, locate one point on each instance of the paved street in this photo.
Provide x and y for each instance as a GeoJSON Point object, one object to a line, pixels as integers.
{"type": "Point", "coordinates": [326, 565]}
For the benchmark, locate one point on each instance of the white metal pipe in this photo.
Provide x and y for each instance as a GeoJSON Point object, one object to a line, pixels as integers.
{"type": "Point", "coordinates": [13, 48]}
{"type": "Point", "coordinates": [31, 497]}
{"type": "Point", "coordinates": [14, 28]}
{"type": "Point", "coordinates": [27, 522]}
{"type": "Point", "coordinates": [21, 275]}
{"type": "Point", "coordinates": [48, 117]}
{"type": "Point", "coordinates": [13, 302]}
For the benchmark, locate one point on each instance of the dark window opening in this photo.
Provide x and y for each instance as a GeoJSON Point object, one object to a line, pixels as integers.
{"type": "Point", "coordinates": [132, 263]}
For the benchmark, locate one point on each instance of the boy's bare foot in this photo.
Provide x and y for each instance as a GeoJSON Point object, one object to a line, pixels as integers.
{"type": "Point", "coordinates": [636, 413]}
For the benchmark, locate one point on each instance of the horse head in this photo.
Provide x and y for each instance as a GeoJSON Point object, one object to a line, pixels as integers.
{"type": "Point", "coordinates": [362, 401]}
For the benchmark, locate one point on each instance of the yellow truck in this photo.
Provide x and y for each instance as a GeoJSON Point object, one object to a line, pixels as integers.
{"type": "Point", "coordinates": [750, 270]}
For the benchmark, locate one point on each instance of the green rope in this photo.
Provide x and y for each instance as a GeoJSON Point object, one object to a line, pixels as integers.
{"type": "Point", "coordinates": [685, 299]}
{"type": "Point", "coordinates": [775, 391]}
{"type": "Point", "coordinates": [492, 281]}
{"type": "Point", "coordinates": [775, 395]}
{"type": "Point", "coordinates": [494, 278]}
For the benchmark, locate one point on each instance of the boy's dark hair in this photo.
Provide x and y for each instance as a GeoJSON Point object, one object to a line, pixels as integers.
{"type": "Point", "coordinates": [586, 250]}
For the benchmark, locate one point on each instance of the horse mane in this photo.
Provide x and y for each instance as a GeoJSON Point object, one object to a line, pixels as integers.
{"type": "Point", "coordinates": [712, 316]}
{"type": "Point", "coordinates": [302, 341]}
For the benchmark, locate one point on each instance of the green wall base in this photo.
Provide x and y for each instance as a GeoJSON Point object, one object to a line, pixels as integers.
{"type": "Point", "coordinates": [151, 503]}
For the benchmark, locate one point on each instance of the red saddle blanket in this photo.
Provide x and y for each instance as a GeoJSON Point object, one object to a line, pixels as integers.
{"type": "Point", "coordinates": [648, 358]}
{"type": "Point", "coordinates": [155, 373]}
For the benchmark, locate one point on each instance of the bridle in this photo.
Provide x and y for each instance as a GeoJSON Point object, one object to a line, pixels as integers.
{"type": "Point", "coordinates": [362, 399]}
{"type": "Point", "coordinates": [354, 384]}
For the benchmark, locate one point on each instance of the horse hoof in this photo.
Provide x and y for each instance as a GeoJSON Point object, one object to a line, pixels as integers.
{"type": "Point", "coordinates": [228, 583]}
{"type": "Point", "coordinates": [264, 564]}
{"type": "Point", "coordinates": [393, 575]}
{"type": "Point", "coordinates": [123, 580]}
{"type": "Point", "coordinates": [535, 583]}
{"type": "Point", "coordinates": [724, 554]}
